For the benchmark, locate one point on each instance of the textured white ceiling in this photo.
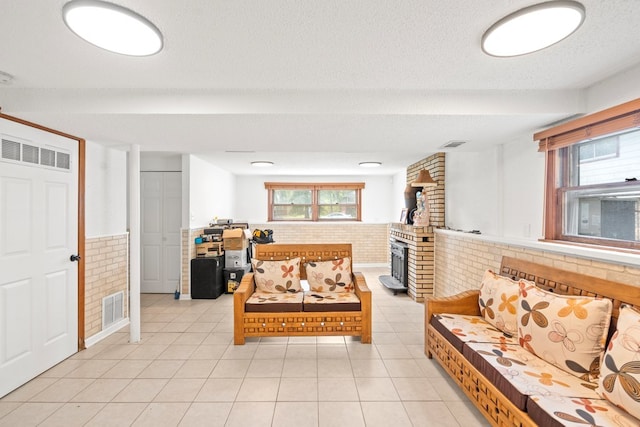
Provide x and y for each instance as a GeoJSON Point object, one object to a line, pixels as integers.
{"type": "Point", "coordinates": [315, 86]}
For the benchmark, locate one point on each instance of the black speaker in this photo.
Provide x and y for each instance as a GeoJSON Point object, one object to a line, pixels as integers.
{"type": "Point", "coordinates": [207, 278]}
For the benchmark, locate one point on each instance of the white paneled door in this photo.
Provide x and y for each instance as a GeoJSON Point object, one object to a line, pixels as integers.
{"type": "Point", "coordinates": [161, 213]}
{"type": "Point", "coordinates": [38, 235]}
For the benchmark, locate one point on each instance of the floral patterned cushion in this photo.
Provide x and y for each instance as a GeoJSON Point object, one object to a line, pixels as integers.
{"type": "Point", "coordinates": [277, 276]}
{"type": "Point", "coordinates": [566, 330]}
{"type": "Point", "coordinates": [620, 372]}
{"type": "Point", "coordinates": [498, 300]}
{"type": "Point", "coordinates": [461, 328]}
{"type": "Point", "coordinates": [519, 374]}
{"type": "Point", "coordinates": [331, 301]}
{"type": "Point", "coordinates": [274, 302]}
{"type": "Point", "coordinates": [330, 276]}
{"type": "Point", "coordinates": [577, 412]}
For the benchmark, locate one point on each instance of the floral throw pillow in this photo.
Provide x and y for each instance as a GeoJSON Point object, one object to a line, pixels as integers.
{"type": "Point", "coordinates": [277, 276]}
{"type": "Point", "coordinates": [498, 300]}
{"type": "Point", "coordinates": [567, 331]}
{"type": "Point", "coordinates": [330, 276]}
{"type": "Point", "coordinates": [620, 372]}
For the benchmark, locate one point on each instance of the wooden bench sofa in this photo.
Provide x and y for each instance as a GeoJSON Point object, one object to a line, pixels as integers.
{"type": "Point", "coordinates": [486, 389]}
{"type": "Point", "coordinates": [273, 323]}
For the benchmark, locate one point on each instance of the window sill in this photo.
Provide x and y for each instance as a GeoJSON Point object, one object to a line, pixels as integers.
{"type": "Point", "coordinates": [557, 247]}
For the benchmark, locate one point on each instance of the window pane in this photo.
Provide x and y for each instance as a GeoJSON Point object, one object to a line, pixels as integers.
{"type": "Point", "coordinates": [337, 212]}
{"type": "Point", "coordinates": [612, 159]}
{"type": "Point", "coordinates": [296, 197]}
{"type": "Point", "coordinates": [291, 212]}
{"type": "Point", "coordinates": [612, 213]}
{"type": "Point", "coordinates": [330, 197]}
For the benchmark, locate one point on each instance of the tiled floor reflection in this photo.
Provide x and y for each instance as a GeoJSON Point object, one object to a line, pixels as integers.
{"type": "Point", "coordinates": [187, 372]}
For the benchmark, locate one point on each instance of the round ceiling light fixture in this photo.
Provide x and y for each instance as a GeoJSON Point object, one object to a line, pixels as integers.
{"type": "Point", "coordinates": [533, 28]}
{"type": "Point", "coordinates": [112, 27]}
{"type": "Point", "coordinates": [370, 164]}
{"type": "Point", "coordinates": [262, 163]}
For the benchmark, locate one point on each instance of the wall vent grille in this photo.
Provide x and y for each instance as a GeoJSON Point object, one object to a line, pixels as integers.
{"type": "Point", "coordinates": [112, 309]}
{"type": "Point", "coordinates": [33, 155]}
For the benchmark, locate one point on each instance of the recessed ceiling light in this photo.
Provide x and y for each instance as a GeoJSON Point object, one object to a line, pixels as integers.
{"type": "Point", "coordinates": [533, 28]}
{"type": "Point", "coordinates": [112, 27]}
{"type": "Point", "coordinates": [370, 164]}
{"type": "Point", "coordinates": [262, 164]}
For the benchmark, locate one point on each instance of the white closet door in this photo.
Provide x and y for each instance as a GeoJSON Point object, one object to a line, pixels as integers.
{"type": "Point", "coordinates": [38, 235]}
{"type": "Point", "coordinates": [161, 211]}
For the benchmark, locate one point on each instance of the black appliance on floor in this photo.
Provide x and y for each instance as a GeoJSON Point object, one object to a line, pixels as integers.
{"type": "Point", "coordinates": [233, 277]}
{"type": "Point", "coordinates": [399, 279]}
{"type": "Point", "coordinates": [207, 278]}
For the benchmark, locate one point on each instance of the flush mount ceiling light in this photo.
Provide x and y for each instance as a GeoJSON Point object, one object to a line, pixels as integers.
{"type": "Point", "coordinates": [112, 27]}
{"type": "Point", "coordinates": [370, 164]}
{"type": "Point", "coordinates": [262, 164]}
{"type": "Point", "coordinates": [533, 28]}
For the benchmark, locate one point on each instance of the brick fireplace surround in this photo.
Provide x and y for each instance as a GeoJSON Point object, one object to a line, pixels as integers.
{"type": "Point", "coordinates": [421, 239]}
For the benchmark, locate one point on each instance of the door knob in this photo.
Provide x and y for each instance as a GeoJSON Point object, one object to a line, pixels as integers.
{"type": "Point", "coordinates": [75, 258]}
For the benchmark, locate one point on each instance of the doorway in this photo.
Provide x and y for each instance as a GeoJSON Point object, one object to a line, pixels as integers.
{"type": "Point", "coordinates": [161, 213]}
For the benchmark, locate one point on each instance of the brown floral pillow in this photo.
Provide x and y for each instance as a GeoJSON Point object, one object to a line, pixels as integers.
{"type": "Point", "coordinates": [330, 276]}
{"type": "Point", "coordinates": [619, 382]}
{"type": "Point", "coordinates": [277, 276]}
{"type": "Point", "coordinates": [568, 331]}
{"type": "Point", "coordinates": [498, 300]}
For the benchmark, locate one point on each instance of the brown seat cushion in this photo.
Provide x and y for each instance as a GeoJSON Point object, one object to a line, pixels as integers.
{"type": "Point", "coordinates": [460, 328]}
{"type": "Point", "coordinates": [330, 301]}
{"type": "Point", "coordinates": [265, 302]}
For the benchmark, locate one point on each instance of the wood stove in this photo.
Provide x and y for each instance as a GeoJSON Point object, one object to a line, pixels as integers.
{"type": "Point", "coordinates": [398, 281]}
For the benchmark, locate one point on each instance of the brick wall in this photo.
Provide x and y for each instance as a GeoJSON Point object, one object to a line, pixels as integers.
{"type": "Point", "coordinates": [435, 164]}
{"type": "Point", "coordinates": [421, 239]}
{"type": "Point", "coordinates": [370, 242]}
{"type": "Point", "coordinates": [461, 259]}
{"type": "Point", "coordinates": [106, 272]}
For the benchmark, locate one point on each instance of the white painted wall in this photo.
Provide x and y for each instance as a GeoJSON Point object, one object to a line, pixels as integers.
{"type": "Point", "coordinates": [106, 191]}
{"type": "Point", "coordinates": [500, 191]}
{"type": "Point", "coordinates": [153, 161]}
{"type": "Point", "coordinates": [212, 192]}
{"type": "Point", "coordinates": [377, 196]}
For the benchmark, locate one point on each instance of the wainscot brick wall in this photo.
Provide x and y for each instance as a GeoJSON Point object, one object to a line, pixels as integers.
{"type": "Point", "coordinates": [461, 259]}
{"type": "Point", "coordinates": [106, 272]}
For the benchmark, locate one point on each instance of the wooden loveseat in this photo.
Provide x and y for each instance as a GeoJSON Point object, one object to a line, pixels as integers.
{"type": "Point", "coordinates": [277, 321]}
{"type": "Point", "coordinates": [508, 380]}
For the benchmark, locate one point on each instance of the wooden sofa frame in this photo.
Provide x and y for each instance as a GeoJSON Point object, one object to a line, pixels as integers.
{"type": "Point", "coordinates": [495, 406]}
{"type": "Point", "coordinates": [341, 323]}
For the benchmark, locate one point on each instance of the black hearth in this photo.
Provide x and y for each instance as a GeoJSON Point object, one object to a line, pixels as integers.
{"type": "Point", "coordinates": [399, 279]}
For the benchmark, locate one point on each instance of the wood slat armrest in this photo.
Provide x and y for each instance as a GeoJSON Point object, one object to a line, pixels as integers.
{"type": "Point", "coordinates": [462, 303]}
{"type": "Point", "coordinates": [240, 297]}
{"type": "Point", "coordinates": [364, 293]}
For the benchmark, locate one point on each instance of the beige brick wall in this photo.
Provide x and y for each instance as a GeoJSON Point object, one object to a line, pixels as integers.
{"type": "Point", "coordinates": [106, 272]}
{"type": "Point", "coordinates": [435, 164]}
{"type": "Point", "coordinates": [370, 242]}
{"type": "Point", "coordinates": [461, 259]}
{"type": "Point", "coordinates": [421, 239]}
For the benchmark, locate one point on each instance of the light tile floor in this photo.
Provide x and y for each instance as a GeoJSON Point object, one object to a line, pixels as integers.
{"type": "Point", "coordinates": [187, 372]}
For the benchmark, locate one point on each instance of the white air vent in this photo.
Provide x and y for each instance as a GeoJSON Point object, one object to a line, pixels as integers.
{"type": "Point", "coordinates": [112, 309]}
{"type": "Point", "coordinates": [453, 144]}
{"type": "Point", "coordinates": [63, 161]}
{"type": "Point", "coordinates": [30, 154]}
{"type": "Point", "coordinates": [10, 150]}
{"type": "Point", "coordinates": [47, 157]}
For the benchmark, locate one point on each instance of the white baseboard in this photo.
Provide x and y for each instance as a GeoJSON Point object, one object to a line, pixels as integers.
{"type": "Point", "coordinates": [185, 296]}
{"type": "Point", "coordinates": [94, 339]}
